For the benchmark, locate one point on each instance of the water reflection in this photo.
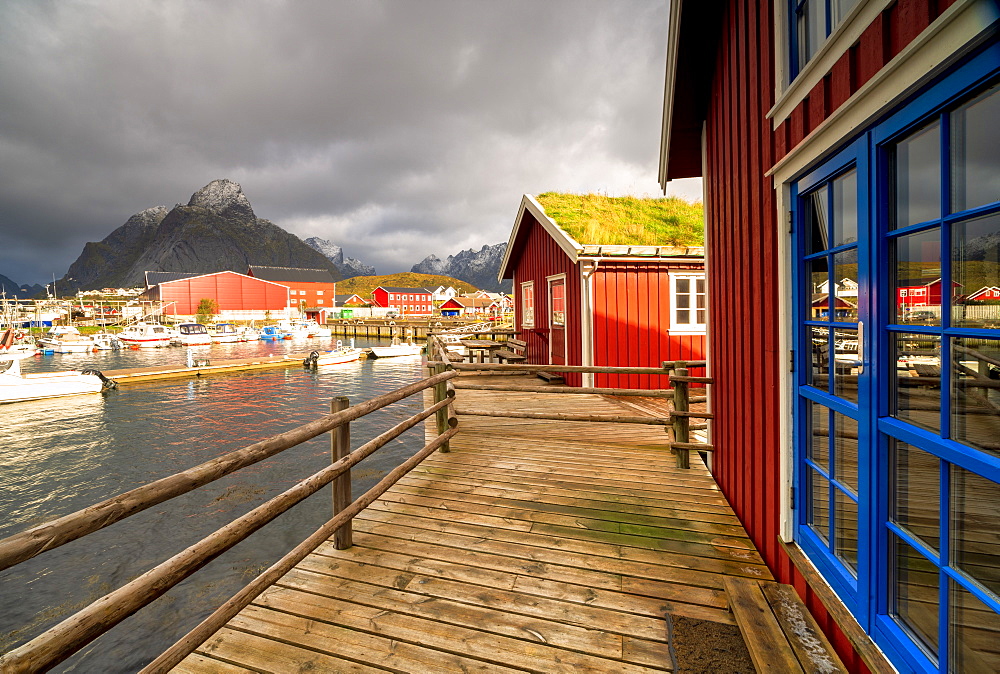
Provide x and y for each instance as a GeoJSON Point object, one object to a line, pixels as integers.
{"type": "Point", "coordinates": [56, 458]}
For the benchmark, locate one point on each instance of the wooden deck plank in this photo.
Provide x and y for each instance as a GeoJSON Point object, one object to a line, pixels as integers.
{"type": "Point", "coordinates": [532, 545]}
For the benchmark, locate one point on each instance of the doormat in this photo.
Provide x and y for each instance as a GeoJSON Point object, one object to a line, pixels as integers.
{"type": "Point", "coordinates": [698, 646]}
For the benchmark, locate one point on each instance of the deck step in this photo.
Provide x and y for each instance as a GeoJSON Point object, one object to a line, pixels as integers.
{"type": "Point", "coordinates": [552, 377]}
{"type": "Point", "coordinates": [778, 629]}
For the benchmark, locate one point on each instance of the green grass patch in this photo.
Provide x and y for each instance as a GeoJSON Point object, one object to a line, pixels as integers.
{"type": "Point", "coordinates": [626, 221]}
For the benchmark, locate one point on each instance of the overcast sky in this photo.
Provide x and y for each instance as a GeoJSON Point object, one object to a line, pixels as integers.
{"type": "Point", "coordinates": [394, 129]}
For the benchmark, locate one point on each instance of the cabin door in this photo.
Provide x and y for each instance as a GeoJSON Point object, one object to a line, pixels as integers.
{"type": "Point", "coordinates": [897, 375]}
{"type": "Point", "coordinates": [557, 320]}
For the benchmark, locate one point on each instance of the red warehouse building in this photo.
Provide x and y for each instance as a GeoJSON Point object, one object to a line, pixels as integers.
{"type": "Point", "coordinates": [596, 304]}
{"type": "Point", "coordinates": [312, 291]}
{"type": "Point", "coordinates": [853, 138]}
{"type": "Point", "coordinates": [237, 295]}
{"type": "Point", "coordinates": [407, 301]}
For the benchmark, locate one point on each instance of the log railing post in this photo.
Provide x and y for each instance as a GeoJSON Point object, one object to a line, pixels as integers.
{"type": "Point", "coordinates": [680, 423]}
{"type": "Point", "coordinates": [340, 446]}
{"type": "Point", "coordinates": [441, 416]}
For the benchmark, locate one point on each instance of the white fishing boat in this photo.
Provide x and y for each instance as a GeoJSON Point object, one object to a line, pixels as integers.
{"type": "Point", "coordinates": [191, 334]}
{"type": "Point", "coordinates": [314, 329]}
{"type": "Point", "coordinates": [342, 354]}
{"type": "Point", "coordinates": [106, 341]}
{"type": "Point", "coordinates": [146, 335]}
{"type": "Point", "coordinates": [246, 333]}
{"type": "Point", "coordinates": [16, 386]}
{"type": "Point", "coordinates": [65, 339]}
{"type": "Point", "coordinates": [16, 341]}
{"type": "Point", "coordinates": [225, 333]}
{"type": "Point", "coordinates": [397, 348]}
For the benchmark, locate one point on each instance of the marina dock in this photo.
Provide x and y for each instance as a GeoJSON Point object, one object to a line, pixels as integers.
{"type": "Point", "coordinates": [141, 375]}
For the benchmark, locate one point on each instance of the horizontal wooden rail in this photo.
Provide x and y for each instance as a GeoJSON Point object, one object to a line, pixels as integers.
{"type": "Point", "coordinates": [693, 380]}
{"type": "Point", "coordinates": [173, 655]}
{"type": "Point", "coordinates": [564, 416]}
{"type": "Point", "coordinates": [510, 367]}
{"type": "Point", "coordinates": [27, 544]}
{"type": "Point", "coordinates": [697, 446]}
{"type": "Point", "coordinates": [61, 641]}
{"type": "Point", "coordinates": [567, 389]}
{"type": "Point", "coordinates": [695, 415]}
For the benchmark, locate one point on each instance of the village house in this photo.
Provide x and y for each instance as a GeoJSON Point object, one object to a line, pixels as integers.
{"type": "Point", "coordinates": [406, 301]}
{"type": "Point", "coordinates": [350, 301]}
{"type": "Point", "coordinates": [442, 294]}
{"type": "Point", "coordinates": [311, 290]}
{"type": "Point", "coordinates": [478, 307]}
{"type": "Point", "coordinates": [853, 134]}
{"type": "Point", "coordinates": [237, 296]}
{"type": "Point", "coordinates": [594, 303]}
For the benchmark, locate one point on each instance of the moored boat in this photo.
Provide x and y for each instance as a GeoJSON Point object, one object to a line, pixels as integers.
{"type": "Point", "coordinates": [16, 386]}
{"type": "Point", "coordinates": [224, 333]}
{"type": "Point", "coordinates": [271, 333]}
{"type": "Point", "coordinates": [191, 334]}
{"type": "Point", "coordinates": [342, 354]}
{"type": "Point", "coordinates": [65, 339]}
{"type": "Point", "coordinates": [106, 341]}
{"type": "Point", "coordinates": [397, 348]}
{"type": "Point", "coordinates": [146, 335]}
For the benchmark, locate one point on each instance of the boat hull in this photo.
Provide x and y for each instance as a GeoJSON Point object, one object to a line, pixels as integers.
{"type": "Point", "coordinates": [15, 389]}
{"type": "Point", "coordinates": [336, 357]}
{"type": "Point", "coordinates": [393, 351]}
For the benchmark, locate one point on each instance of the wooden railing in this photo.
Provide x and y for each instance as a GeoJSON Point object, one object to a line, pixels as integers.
{"type": "Point", "coordinates": [678, 423]}
{"type": "Point", "coordinates": [73, 633]}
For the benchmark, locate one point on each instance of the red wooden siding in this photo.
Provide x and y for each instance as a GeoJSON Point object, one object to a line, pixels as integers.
{"type": "Point", "coordinates": [631, 304]}
{"type": "Point", "coordinates": [233, 292]}
{"type": "Point", "coordinates": [743, 269]}
{"type": "Point", "coordinates": [540, 256]}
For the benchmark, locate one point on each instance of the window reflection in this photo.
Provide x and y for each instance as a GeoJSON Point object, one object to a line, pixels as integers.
{"type": "Point", "coordinates": [845, 439]}
{"type": "Point", "coordinates": [845, 287]}
{"type": "Point", "coordinates": [975, 514]}
{"type": "Point", "coordinates": [917, 182]}
{"type": "Point", "coordinates": [917, 391]}
{"type": "Point", "coordinates": [916, 594]}
{"type": "Point", "coordinates": [819, 448]}
{"type": "Point", "coordinates": [975, 162]}
{"type": "Point", "coordinates": [975, 633]}
{"type": "Point", "coordinates": [916, 502]}
{"type": "Point", "coordinates": [975, 270]}
{"type": "Point", "coordinates": [845, 209]}
{"type": "Point", "coordinates": [917, 280]}
{"type": "Point", "coordinates": [846, 525]}
{"type": "Point", "coordinates": [846, 363]}
{"type": "Point", "coordinates": [819, 505]}
{"type": "Point", "coordinates": [975, 393]}
{"type": "Point", "coordinates": [817, 220]}
{"type": "Point", "coordinates": [819, 372]}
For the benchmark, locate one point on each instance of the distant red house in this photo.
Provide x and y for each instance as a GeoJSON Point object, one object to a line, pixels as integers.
{"type": "Point", "coordinates": [181, 293]}
{"type": "Point", "coordinates": [612, 305]}
{"type": "Point", "coordinates": [985, 293]}
{"type": "Point", "coordinates": [470, 306]}
{"type": "Point", "coordinates": [406, 301]}
{"type": "Point", "coordinates": [311, 290]}
{"type": "Point", "coordinates": [351, 301]}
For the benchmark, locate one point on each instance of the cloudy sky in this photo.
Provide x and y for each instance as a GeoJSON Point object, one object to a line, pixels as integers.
{"type": "Point", "coordinates": [395, 129]}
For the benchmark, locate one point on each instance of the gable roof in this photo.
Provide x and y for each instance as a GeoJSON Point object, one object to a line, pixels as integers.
{"type": "Point", "coordinates": [291, 274]}
{"type": "Point", "coordinates": [344, 299]}
{"type": "Point", "coordinates": [157, 277]}
{"type": "Point", "coordinates": [424, 291]}
{"type": "Point", "coordinates": [575, 250]}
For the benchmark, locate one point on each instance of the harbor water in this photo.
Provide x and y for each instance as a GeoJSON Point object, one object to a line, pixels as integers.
{"type": "Point", "coordinates": [62, 455]}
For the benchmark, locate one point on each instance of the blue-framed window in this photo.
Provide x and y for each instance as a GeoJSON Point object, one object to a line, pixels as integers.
{"type": "Point", "coordinates": [810, 23]}
{"type": "Point", "coordinates": [897, 407]}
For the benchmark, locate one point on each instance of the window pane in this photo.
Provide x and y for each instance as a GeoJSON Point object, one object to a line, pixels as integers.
{"type": "Point", "coordinates": [845, 287]}
{"type": "Point", "coordinates": [918, 177]}
{"type": "Point", "coordinates": [916, 500]}
{"type": "Point", "coordinates": [975, 393]}
{"type": "Point", "coordinates": [845, 447]}
{"type": "Point", "coordinates": [683, 286]}
{"type": "Point", "coordinates": [975, 519]}
{"type": "Point", "coordinates": [839, 9]}
{"type": "Point", "coordinates": [918, 277]}
{"type": "Point", "coordinates": [819, 371]}
{"type": "Point", "coordinates": [845, 209]}
{"type": "Point", "coordinates": [845, 359]}
{"type": "Point", "coordinates": [975, 633]}
{"type": "Point", "coordinates": [819, 445]}
{"type": "Point", "coordinates": [817, 273]}
{"type": "Point", "coordinates": [811, 28]}
{"type": "Point", "coordinates": [916, 594]}
{"type": "Point", "coordinates": [683, 300]}
{"type": "Point", "coordinates": [846, 523]}
{"type": "Point", "coordinates": [701, 286]}
{"type": "Point", "coordinates": [817, 222]}
{"type": "Point", "coordinates": [683, 316]}
{"type": "Point", "coordinates": [975, 162]}
{"type": "Point", "coordinates": [917, 394]}
{"type": "Point", "coordinates": [819, 505]}
{"type": "Point", "coordinates": [975, 273]}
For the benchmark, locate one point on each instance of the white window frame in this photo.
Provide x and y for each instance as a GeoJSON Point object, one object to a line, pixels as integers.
{"type": "Point", "coordinates": [677, 328]}
{"type": "Point", "coordinates": [528, 318]}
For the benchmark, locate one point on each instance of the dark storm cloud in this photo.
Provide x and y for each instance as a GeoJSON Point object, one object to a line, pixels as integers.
{"type": "Point", "coordinates": [396, 129]}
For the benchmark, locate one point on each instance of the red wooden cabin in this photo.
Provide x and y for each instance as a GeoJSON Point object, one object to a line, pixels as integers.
{"type": "Point", "coordinates": [406, 301]}
{"type": "Point", "coordinates": [593, 304]}
{"type": "Point", "coordinates": [836, 136]}
{"type": "Point", "coordinates": [181, 293]}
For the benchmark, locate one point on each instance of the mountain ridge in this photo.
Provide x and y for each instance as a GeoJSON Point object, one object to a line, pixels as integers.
{"type": "Point", "coordinates": [479, 268]}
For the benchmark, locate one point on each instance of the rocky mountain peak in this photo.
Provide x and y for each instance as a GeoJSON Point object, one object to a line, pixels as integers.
{"type": "Point", "coordinates": [223, 197]}
{"type": "Point", "coordinates": [348, 266]}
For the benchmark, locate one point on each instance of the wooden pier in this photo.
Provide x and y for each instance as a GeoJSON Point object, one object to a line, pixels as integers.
{"type": "Point", "coordinates": [530, 546]}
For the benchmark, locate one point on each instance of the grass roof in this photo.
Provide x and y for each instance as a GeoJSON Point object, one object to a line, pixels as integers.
{"type": "Point", "coordinates": [596, 219]}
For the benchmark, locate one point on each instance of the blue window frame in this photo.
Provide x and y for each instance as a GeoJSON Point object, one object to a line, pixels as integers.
{"type": "Point", "coordinates": [810, 23]}
{"type": "Point", "coordinates": [897, 405]}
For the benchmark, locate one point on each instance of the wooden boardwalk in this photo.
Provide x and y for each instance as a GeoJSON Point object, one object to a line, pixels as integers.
{"type": "Point", "coordinates": [538, 546]}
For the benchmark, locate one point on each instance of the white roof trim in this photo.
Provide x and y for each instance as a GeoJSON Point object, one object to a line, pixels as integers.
{"type": "Point", "coordinates": [562, 239]}
{"type": "Point", "coordinates": [673, 42]}
{"type": "Point", "coordinates": [216, 273]}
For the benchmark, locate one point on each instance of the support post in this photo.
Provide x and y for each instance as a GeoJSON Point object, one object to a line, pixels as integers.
{"type": "Point", "coordinates": [340, 446]}
{"type": "Point", "coordinates": [441, 416]}
{"type": "Point", "coordinates": [680, 423]}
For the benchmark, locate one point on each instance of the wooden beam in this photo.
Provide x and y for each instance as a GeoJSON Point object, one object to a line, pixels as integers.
{"type": "Point", "coordinates": [656, 393]}
{"type": "Point", "coordinates": [562, 416]}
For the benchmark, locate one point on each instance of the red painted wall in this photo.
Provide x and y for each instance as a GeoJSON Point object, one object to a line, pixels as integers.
{"type": "Point", "coordinates": [539, 257]}
{"type": "Point", "coordinates": [631, 321]}
{"type": "Point", "coordinates": [743, 231]}
{"type": "Point", "coordinates": [233, 292]}
{"type": "Point", "coordinates": [311, 294]}
{"type": "Point", "coordinates": [422, 300]}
